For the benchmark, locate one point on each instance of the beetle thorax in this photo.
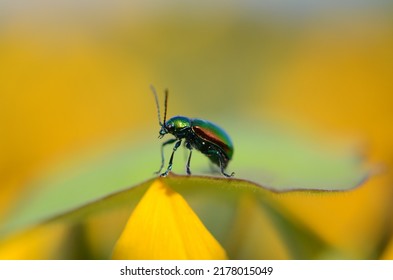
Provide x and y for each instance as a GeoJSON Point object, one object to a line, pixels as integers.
{"type": "Point", "coordinates": [177, 126]}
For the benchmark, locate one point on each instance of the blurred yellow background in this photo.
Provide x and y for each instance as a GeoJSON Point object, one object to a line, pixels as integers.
{"type": "Point", "coordinates": [75, 75]}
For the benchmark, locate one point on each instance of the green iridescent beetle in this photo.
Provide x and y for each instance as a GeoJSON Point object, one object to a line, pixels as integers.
{"type": "Point", "coordinates": [204, 136]}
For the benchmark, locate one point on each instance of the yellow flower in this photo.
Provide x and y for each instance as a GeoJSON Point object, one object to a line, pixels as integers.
{"type": "Point", "coordinates": [388, 254]}
{"type": "Point", "coordinates": [163, 226]}
{"type": "Point", "coordinates": [39, 243]}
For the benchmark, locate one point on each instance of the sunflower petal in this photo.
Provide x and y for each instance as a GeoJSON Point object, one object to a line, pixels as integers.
{"type": "Point", "coordinates": [163, 226]}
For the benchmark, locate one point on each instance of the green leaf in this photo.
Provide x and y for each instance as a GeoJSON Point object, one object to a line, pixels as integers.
{"type": "Point", "coordinates": [279, 161]}
{"type": "Point", "coordinates": [215, 200]}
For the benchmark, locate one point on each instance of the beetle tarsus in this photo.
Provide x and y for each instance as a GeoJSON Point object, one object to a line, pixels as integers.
{"type": "Point", "coordinates": [228, 175]}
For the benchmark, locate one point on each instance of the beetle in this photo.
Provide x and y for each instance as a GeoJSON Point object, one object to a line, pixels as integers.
{"type": "Point", "coordinates": [204, 136]}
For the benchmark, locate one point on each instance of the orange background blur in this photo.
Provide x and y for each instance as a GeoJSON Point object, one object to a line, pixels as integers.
{"type": "Point", "coordinates": [75, 74]}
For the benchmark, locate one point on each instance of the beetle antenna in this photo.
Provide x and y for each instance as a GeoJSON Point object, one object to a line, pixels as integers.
{"type": "Point", "coordinates": [157, 105]}
{"type": "Point", "coordinates": [165, 104]}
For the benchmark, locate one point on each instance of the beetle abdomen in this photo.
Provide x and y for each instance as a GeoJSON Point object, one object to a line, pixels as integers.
{"type": "Point", "coordinates": [213, 134]}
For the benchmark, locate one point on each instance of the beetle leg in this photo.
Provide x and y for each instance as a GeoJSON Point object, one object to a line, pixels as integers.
{"type": "Point", "coordinates": [222, 166]}
{"type": "Point", "coordinates": [221, 160]}
{"type": "Point", "coordinates": [178, 143]}
{"type": "Point", "coordinates": [188, 146]}
{"type": "Point", "coordinates": [170, 141]}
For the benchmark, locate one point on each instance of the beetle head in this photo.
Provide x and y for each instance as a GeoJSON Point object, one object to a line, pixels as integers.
{"type": "Point", "coordinates": [163, 131]}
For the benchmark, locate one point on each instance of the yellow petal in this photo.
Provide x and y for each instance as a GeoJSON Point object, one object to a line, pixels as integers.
{"type": "Point", "coordinates": [388, 253]}
{"type": "Point", "coordinates": [163, 226]}
{"type": "Point", "coordinates": [42, 242]}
